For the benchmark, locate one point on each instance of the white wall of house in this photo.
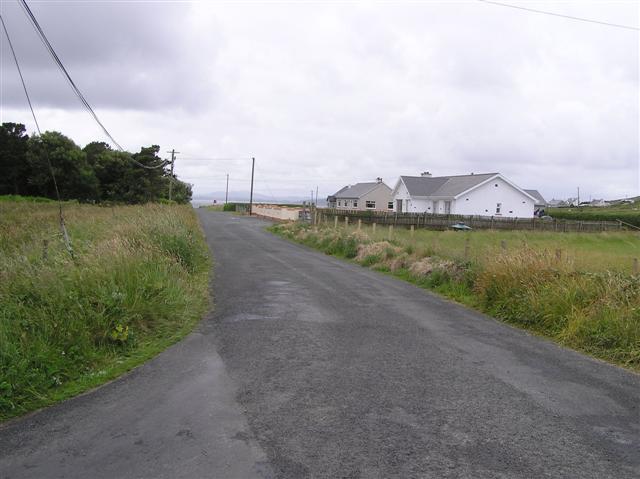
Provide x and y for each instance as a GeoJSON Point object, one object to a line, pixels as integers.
{"type": "Point", "coordinates": [484, 201]}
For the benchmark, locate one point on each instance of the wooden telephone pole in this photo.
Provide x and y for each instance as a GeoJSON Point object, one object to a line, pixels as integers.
{"type": "Point", "coordinates": [253, 165]}
{"type": "Point", "coordinates": [173, 160]}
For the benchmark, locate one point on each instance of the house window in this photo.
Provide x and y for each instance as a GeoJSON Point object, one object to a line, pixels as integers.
{"type": "Point", "coordinates": [339, 203]}
{"type": "Point", "coordinates": [390, 205]}
{"type": "Point", "coordinates": [496, 185]}
{"type": "Point", "coordinates": [498, 207]}
{"type": "Point", "coordinates": [355, 203]}
{"type": "Point", "coordinates": [370, 204]}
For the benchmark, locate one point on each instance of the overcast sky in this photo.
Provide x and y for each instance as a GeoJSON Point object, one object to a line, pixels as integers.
{"type": "Point", "coordinates": [332, 94]}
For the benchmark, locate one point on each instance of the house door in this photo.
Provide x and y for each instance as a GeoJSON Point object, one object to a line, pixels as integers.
{"type": "Point", "coordinates": [447, 207]}
{"type": "Point", "coordinates": [399, 206]}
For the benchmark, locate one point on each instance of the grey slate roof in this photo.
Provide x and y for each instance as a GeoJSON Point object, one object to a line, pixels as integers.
{"type": "Point", "coordinates": [539, 198]}
{"type": "Point", "coordinates": [355, 191]}
{"type": "Point", "coordinates": [443, 185]}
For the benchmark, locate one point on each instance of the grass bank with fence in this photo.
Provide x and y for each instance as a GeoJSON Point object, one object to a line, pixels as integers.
{"type": "Point", "coordinates": [137, 284]}
{"type": "Point", "coordinates": [580, 290]}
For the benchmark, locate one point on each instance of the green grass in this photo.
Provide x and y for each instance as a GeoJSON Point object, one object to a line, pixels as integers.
{"type": "Point", "coordinates": [627, 212]}
{"type": "Point", "coordinates": [592, 252]}
{"type": "Point", "coordinates": [139, 283]}
{"type": "Point", "coordinates": [587, 300]}
{"type": "Point", "coordinates": [24, 199]}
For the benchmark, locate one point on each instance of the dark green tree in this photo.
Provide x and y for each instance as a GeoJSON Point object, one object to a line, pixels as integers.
{"type": "Point", "coordinates": [75, 177]}
{"type": "Point", "coordinates": [181, 191]}
{"type": "Point", "coordinates": [146, 184]}
{"type": "Point", "coordinates": [94, 173]}
{"type": "Point", "coordinates": [14, 169]}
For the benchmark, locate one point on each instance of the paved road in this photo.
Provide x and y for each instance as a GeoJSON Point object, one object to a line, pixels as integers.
{"type": "Point", "coordinates": [312, 367]}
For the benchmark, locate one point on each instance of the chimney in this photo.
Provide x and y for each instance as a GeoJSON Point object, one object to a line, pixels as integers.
{"type": "Point", "coordinates": [378, 180]}
{"type": "Point", "coordinates": [426, 174]}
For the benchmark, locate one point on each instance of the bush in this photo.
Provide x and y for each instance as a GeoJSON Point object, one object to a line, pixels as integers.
{"type": "Point", "coordinates": [229, 207]}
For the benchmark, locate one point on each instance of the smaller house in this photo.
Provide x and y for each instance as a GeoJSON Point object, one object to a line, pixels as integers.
{"type": "Point", "coordinates": [362, 196]}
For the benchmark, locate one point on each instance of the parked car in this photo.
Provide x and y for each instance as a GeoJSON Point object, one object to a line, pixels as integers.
{"type": "Point", "coordinates": [460, 227]}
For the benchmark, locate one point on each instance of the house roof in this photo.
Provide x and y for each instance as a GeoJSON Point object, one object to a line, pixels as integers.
{"type": "Point", "coordinates": [539, 198]}
{"type": "Point", "coordinates": [357, 190]}
{"type": "Point", "coordinates": [443, 185]}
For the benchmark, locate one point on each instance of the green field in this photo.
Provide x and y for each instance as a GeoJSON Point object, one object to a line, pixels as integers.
{"type": "Point", "coordinates": [139, 282]}
{"type": "Point", "coordinates": [578, 251]}
{"type": "Point", "coordinates": [627, 212]}
{"type": "Point", "coordinates": [586, 297]}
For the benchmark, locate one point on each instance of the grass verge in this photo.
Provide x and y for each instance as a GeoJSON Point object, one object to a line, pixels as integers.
{"type": "Point", "coordinates": [597, 312]}
{"type": "Point", "coordinates": [139, 283]}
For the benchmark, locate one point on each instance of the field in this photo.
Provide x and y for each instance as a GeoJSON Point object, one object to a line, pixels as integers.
{"type": "Point", "coordinates": [577, 289]}
{"type": "Point", "coordinates": [592, 252]}
{"type": "Point", "coordinates": [628, 212]}
{"type": "Point", "coordinates": [138, 283]}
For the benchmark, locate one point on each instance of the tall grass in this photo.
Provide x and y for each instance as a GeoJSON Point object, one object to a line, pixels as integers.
{"type": "Point", "coordinates": [137, 284]}
{"type": "Point", "coordinates": [587, 308]}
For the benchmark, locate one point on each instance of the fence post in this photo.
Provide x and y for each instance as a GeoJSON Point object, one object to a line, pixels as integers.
{"type": "Point", "coordinates": [335, 222]}
{"type": "Point", "coordinates": [636, 267]}
{"type": "Point", "coordinates": [503, 245]}
{"type": "Point", "coordinates": [374, 228]}
{"type": "Point", "coordinates": [359, 224]}
{"type": "Point", "coordinates": [412, 229]}
{"type": "Point", "coordinates": [390, 231]}
{"type": "Point", "coordinates": [558, 255]}
{"type": "Point", "coordinates": [346, 221]}
{"type": "Point", "coordinates": [467, 248]}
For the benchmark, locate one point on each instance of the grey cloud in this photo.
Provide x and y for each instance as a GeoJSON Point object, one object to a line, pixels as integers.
{"type": "Point", "coordinates": [331, 94]}
{"type": "Point", "coordinates": [124, 56]}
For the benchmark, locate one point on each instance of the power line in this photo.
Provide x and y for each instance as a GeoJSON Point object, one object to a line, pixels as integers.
{"type": "Point", "coordinates": [570, 17]}
{"type": "Point", "coordinates": [74, 87]}
{"type": "Point", "coordinates": [63, 228]}
{"type": "Point", "coordinates": [24, 86]}
{"type": "Point", "coordinates": [186, 158]}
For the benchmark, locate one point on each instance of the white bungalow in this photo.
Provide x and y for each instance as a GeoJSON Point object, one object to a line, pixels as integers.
{"type": "Point", "coordinates": [487, 194]}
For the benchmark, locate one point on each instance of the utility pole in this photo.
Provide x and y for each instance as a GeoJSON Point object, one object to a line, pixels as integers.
{"type": "Point", "coordinates": [578, 197]}
{"type": "Point", "coordinates": [226, 193]}
{"type": "Point", "coordinates": [173, 160]}
{"type": "Point", "coordinates": [253, 165]}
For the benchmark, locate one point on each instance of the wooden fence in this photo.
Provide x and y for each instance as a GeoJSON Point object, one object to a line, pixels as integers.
{"type": "Point", "coordinates": [443, 222]}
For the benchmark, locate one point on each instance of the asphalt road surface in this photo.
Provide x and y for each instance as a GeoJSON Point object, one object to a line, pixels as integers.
{"type": "Point", "coordinates": [313, 367]}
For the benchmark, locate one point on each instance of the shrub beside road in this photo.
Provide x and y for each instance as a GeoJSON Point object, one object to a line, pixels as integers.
{"type": "Point", "coordinates": [138, 283]}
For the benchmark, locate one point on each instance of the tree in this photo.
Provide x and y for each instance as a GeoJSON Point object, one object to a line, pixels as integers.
{"type": "Point", "coordinates": [75, 177]}
{"type": "Point", "coordinates": [182, 192]}
{"type": "Point", "coordinates": [146, 184]}
{"type": "Point", "coordinates": [94, 173]}
{"type": "Point", "coordinates": [14, 169]}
